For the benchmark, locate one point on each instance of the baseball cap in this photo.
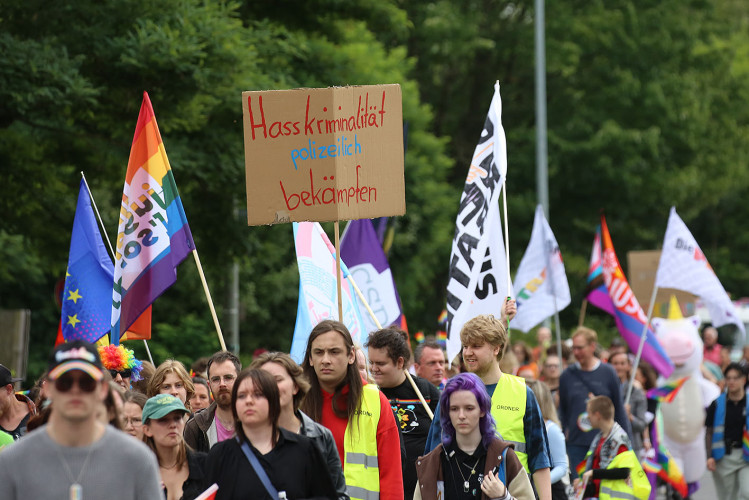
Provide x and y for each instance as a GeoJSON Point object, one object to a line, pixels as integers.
{"type": "Point", "coordinates": [6, 377]}
{"type": "Point", "coordinates": [75, 355]}
{"type": "Point", "coordinates": [160, 406]}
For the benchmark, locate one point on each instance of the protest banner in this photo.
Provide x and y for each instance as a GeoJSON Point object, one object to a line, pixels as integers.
{"type": "Point", "coordinates": [323, 154]}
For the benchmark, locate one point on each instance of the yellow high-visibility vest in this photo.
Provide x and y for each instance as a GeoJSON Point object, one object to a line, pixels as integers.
{"type": "Point", "coordinates": [360, 464]}
{"type": "Point", "coordinates": [508, 410]}
{"type": "Point", "coordinates": [637, 487]}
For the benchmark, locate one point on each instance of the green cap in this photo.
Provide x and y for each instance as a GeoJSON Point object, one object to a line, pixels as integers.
{"type": "Point", "coordinates": [160, 406]}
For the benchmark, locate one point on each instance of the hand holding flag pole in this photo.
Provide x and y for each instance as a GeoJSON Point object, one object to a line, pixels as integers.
{"type": "Point", "coordinates": [109, 243]}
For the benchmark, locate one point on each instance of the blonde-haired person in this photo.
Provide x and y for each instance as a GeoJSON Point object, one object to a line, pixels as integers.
{"type": "Point", "coordinates": [559, 473]}
{"type": "Point", "coordinates": [292, 387]}
{"type": "Point", "coordinates": [171, 377]}
{"type": "Point", "coordinates": [181, 469]}
{"type": "Point", "coordinates": [361, 363]}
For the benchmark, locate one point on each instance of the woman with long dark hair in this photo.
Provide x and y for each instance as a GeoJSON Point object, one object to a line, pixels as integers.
{"type": "Point", "coordinates": [265, 460]}
{"type": "Point", "coordinates": [471, 462]}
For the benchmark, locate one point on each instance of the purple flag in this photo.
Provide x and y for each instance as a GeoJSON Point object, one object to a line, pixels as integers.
{"type": "Point", "coordinates": [362, 252]}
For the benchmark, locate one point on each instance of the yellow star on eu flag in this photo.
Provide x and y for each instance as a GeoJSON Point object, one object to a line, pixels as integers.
{"type": "Point", "coordinates": [73, 320]}
{"type": "Point", "coordinates": [74, 296]}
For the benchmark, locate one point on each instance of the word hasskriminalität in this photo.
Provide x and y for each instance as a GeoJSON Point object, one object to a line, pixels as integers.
{"type": "Point", "coordinates": [366, 117]}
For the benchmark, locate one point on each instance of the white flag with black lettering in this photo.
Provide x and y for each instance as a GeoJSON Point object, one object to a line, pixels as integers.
{"type": "Point", "coordinates": [478, 268]}
{"type": "Point", "coordinates": [541, 287]}
{"type": "Point", "coordinates": [683, 266]}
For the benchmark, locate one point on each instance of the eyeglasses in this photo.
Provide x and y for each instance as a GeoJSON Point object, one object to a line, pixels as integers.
{"type": "Point", "coordinates": [135, 421]}
{"type": "Point", "coordinates": [228, 379]}
{"type": "Point", "coordinates": [66, 381]}
{"type": "Point", "coordinates": [579, 347]}
{"type": "Point", "coordinates": [124, 373]}
{"type": "Point", "coordinates": [737, 377]}
{"type": "Point", "coordinates": [547, 365]}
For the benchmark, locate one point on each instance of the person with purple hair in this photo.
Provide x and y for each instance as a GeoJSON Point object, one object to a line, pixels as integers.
{"type": "Point", "coordinates": [471, 461]}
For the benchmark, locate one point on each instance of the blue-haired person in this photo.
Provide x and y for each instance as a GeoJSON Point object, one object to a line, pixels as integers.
{"type": "Point", "coordinates": [471, 462]}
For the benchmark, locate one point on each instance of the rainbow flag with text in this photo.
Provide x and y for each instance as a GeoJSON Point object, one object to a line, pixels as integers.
{"type": "Point", "coordinates": [630, 319]}
{"type": "Point", "coordinates": [153, 236]}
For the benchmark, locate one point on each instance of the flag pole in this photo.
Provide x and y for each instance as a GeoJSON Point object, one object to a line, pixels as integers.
{"type": "Point", "coordinates": [210, 301]}
{"type": "Point", "coordinates": [376, 321]}
{"type": "Point", "coordinates": [109, 243]}
{"type": "Point", "coordinates": [553, 296]}
{"type": "Point", "coordinates": [338, 271]}
{"type": "Point", "coordinates": [642, 344]}
{"type": "Point", "coordinates": [507, 238]}
{"type": "Point", "coordinates": [582, 313]}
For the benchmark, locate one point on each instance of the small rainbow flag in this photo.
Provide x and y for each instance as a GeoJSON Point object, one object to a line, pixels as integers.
{"type": "Point", "coordinates": [581, 466]}
{"type": "Point", "coordinates": [442, 318]}
{"type": "Point", "coordinates": [663, 463]}
{"type": "Point", "coordinates": [419, 336]}
{"type": "Point", "coordinates": [666, 393]}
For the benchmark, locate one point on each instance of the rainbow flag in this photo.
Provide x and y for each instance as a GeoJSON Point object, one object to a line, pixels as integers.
{"type": "Point", "coordinates": [630, 319]}
{"type": "Point", "coordinates": [667, 392]}
{"type": "Point", "coordinates": [153, 236]}
{"type": "Point", "coordinates": [596, 292]}
{"type": "Point", "coordinates": [442, 318]}
{"type": "Point", "coordinates": [419, 337]}
{"type": "Point", "coordinates": [580, 469]}
{"type": "Point", "coordinates": [662, 463]}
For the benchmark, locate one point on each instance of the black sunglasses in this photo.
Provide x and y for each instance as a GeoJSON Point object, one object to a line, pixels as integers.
{"type": "Point", "coordinates": [124, 373]}
{"type": "Point", "coordinates": [65, 382]}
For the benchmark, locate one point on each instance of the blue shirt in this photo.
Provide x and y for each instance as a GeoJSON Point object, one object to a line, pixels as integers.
{"type": "Point", "coordinates": [536, 441]}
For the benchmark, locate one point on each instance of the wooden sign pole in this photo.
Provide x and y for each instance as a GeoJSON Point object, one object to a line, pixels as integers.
{"type": "Point", "coordinates": [338, 271]}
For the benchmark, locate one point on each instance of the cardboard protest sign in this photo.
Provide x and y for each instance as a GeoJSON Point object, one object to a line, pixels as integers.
{"type": "Point", "coordinates": [323, 154]}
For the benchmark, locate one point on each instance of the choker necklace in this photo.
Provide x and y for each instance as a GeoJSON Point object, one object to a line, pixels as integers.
{"type": "Point", "coordinates": [76, 491]}
{"type": "Point", "coordinates": [466, 485]}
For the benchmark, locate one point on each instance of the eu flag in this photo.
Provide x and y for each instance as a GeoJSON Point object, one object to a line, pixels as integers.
{"type": "Point", "coordinates": [87, 299]}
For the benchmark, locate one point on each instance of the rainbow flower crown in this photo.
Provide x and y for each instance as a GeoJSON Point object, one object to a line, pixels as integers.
{"type": "Point", "coordinates": [119, 358]}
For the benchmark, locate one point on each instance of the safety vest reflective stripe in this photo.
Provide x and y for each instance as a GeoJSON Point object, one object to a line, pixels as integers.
{"type": "Point", "coordinates": [617, 494]}
{"type": "Point", "coordinates": [361, 459]}
{"type": "Point", "coordinates": [356, 492]}
{"type": "Point", "coordinates": [508, 410]}
{"type": "Point", "coordinates": [360, 464]}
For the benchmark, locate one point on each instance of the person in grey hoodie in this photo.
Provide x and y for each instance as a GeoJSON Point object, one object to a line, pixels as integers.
{"type": "Point", "coordinates": [292, 387]}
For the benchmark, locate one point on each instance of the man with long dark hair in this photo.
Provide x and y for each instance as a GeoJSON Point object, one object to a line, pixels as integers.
{"type": "Point", "coordinates": [358, 415]}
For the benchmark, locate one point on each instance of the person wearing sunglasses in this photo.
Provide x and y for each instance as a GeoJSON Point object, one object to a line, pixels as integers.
{"type": "Point", "coordinates": [75, 455]}
{"type": "Point", "coordinates": [122, 364]}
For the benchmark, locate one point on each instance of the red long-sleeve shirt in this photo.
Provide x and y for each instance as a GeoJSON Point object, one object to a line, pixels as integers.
{"type": "Point", "coordinates": [388, 443]}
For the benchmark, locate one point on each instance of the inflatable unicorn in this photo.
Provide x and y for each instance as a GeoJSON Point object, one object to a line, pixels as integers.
{"type": "Point", "coordinates": [684, 417]}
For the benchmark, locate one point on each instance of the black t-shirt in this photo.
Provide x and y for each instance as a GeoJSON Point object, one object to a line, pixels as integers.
{"type": "Point", "coordinates": [735, 419]}
{"type": "Point", "coordinates": [459, 468]}
{"type": "Point", "coordinates": [413, 421]}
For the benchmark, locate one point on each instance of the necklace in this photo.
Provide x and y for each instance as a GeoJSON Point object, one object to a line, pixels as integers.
{"type": "Point", "coordinates": [76, 491]}
{"type": "Point", "coordinates": [466, 485]}
{"type": "Point", "coordinates": [170, 467]}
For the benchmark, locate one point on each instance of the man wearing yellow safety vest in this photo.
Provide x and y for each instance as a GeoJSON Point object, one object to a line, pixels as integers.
{"type": "Point", "coordinates": [514, 406]}
{"type": "Point", "coordinates": [358, 415]}
{"type": "Point", "coordinates": [612, 470]}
